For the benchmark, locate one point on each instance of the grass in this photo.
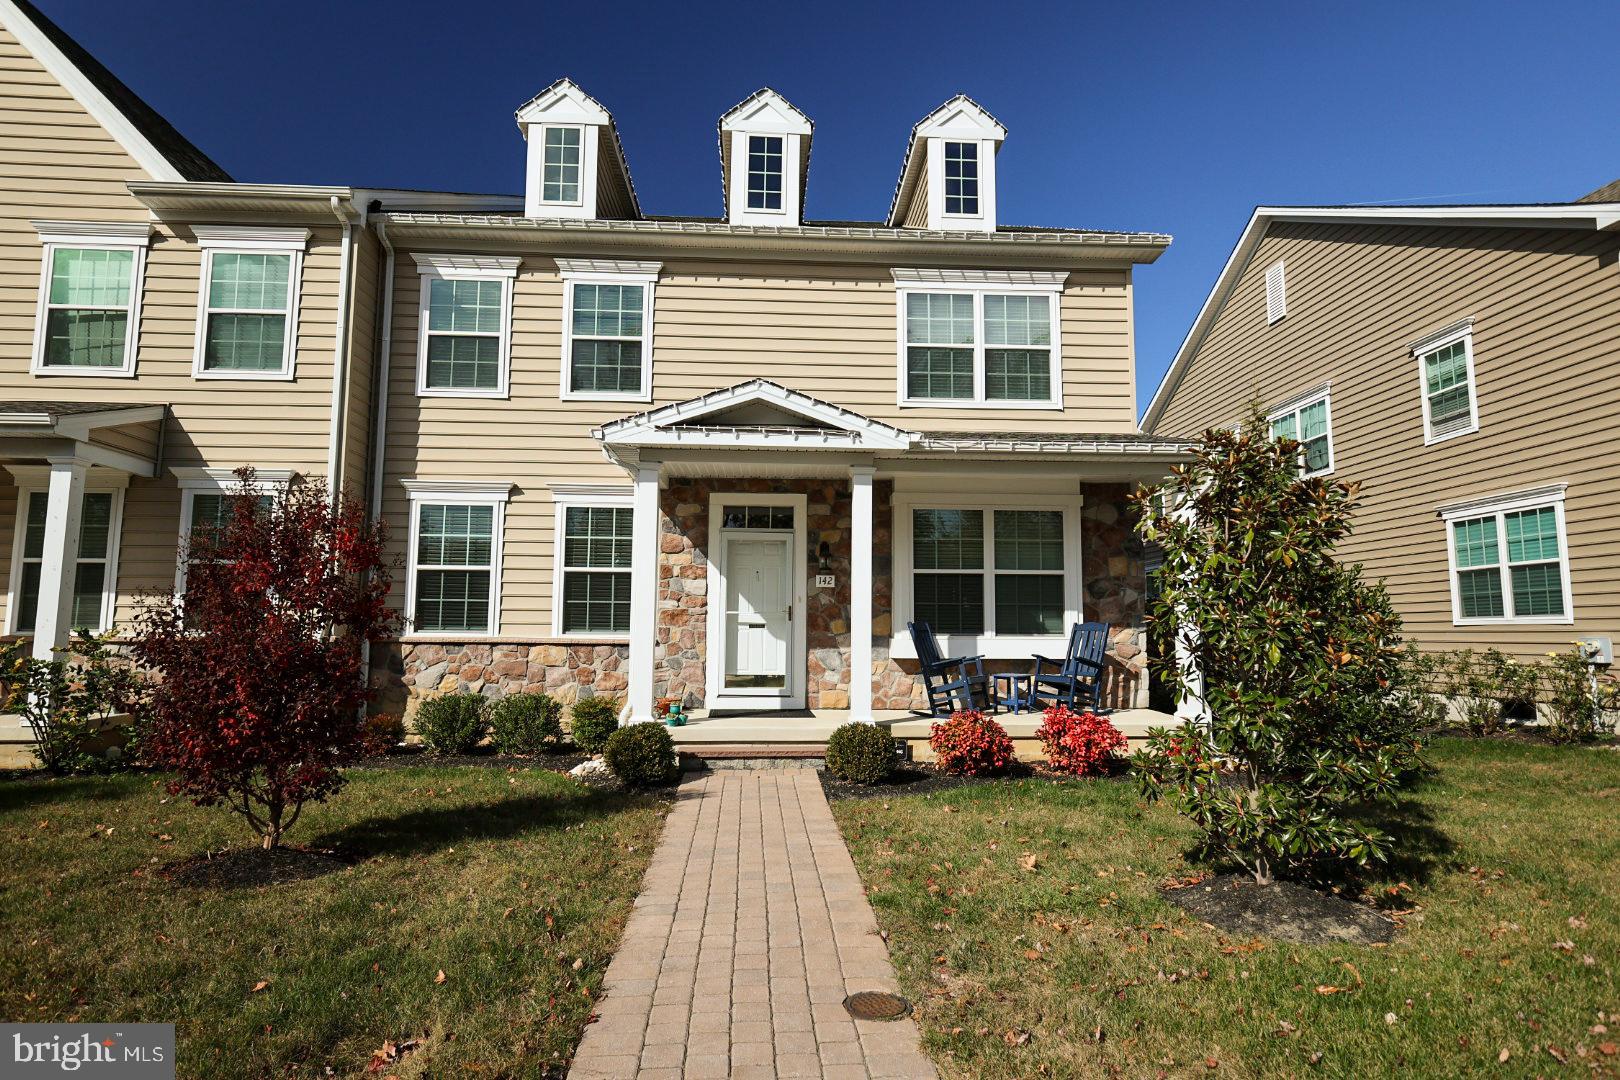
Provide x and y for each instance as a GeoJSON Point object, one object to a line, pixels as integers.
{"type": "Point", "coordinates": [1077, 968]}
{"type": "Point", "coordinates": [514, 883]}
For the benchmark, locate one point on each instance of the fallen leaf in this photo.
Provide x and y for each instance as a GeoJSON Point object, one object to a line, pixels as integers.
{"type": "Point", "coordinates": [439, 978]}
{"type": "Point", "coordinates": [1504, 1055]}
{"type": "Point", "coordinates": [1032, 954]}
{"type": "Point", "coordinates": [1391, 1018]}
{"type": "Point", "coordinates": [1029, 861]}
{"type": "Point", "coordinates": [260, 985]}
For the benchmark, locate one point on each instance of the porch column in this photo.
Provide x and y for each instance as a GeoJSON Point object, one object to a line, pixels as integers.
{"type": "Point", "coordinates": [643, 592]}
{"type": "Point", "coordinates": [860, 593]}
{"type": "Point", "coordinates": [59, 561]}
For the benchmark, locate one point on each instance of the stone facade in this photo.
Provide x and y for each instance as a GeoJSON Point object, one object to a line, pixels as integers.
{"type": "Point", "coordinates": [1111, 561]}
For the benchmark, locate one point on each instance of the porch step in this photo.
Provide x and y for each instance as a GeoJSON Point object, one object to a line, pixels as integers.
{"type": "Point", "coordinates": [695, 757]}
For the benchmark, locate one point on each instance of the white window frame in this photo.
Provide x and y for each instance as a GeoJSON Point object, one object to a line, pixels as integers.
{"type": "Point", "coordinates": [977, 212]}
{"type": "Point", "coordinates": [980, 283]}
{"type": "Point", "coordinates": [98, 236]}
{"type": "Point", "coordinates": [1497, 506]}
{"type": "Point", "coordinates": [583, 158]}
{"type": "Point", "coordinates": [987, 643]}
{"type": "Point", "coordinates": [784, 155]}
{"type": "Point", "coordinates": [607, 272]}
{"type": "Point", "coordinates": [465, 268]}
{"type": "Point", "coordinates": [494, 494]}
{"type": "Point", "coordinates": [35, 480]}
{"type": "Point", "coordinates": [1297, 404]}
{"type": "Point", "coordinates": [1276, 293]}
{"type": "Point", "coordinates": [231, 240]}
{"type": "Point", "coordinates": [211, 481]}
{"type": "Point", "coordinates": [583, 496]}
{"type": "Point", "coordinates": [1427, 346]}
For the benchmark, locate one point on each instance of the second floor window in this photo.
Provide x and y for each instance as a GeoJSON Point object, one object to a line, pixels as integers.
{"type": "Point", "coordinates": [465, 325]}
{"type": "Point", "coordinates": [962, 178]}
{"type": "Point", "coordinates": [87, 319]}
{"type": "Point", "coordinates": [247, 320]}
{"type": "Point", "coordinates": [989, 348]}
{"type": "Point", "coordinates": [559, 179]}
{"type": "Point", "coordinates": [764, 172]}
{"type": "Point", "coordinates": [607, 329]}
{"type": "Point", "coordinates": [1446, 372]}
{"type": "Point", "coordinates": [1309, 424]}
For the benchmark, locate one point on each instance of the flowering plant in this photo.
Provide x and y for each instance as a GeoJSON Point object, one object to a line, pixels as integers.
{"type": "Point", "coordinates": [971, 744]}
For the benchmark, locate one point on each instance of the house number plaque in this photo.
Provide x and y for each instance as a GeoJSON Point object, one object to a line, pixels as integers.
{"type": "Point", "coordinates": [825, 581]}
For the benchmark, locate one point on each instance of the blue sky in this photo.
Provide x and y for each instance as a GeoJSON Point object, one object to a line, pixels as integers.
{"type": "Point", "coordinates": [1168, 117]}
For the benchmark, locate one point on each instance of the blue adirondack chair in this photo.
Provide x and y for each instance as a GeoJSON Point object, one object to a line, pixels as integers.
{"type": "Point", "coordinates": [1075, 680]}
{"type": "Point", "coordinates": [949, 682]}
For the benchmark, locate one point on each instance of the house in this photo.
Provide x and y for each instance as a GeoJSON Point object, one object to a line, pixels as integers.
{"type": "Point", "coordinates": [1454, 360]}
{"type": "Point", "coordinates": [718, 460]}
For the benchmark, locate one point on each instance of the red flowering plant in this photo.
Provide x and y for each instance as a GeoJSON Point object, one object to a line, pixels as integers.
{"type": "Point", "coordinates": [971, 744]}
{"type": "Point", "coordinates": [1081, 743]}
{"type": "Point", "coordinates": [260, 697]}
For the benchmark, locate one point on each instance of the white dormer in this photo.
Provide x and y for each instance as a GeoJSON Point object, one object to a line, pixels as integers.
{"type": "Point", "coordinates": [576, 167]}
{"type": "Point", "coordinates": [764, 148]}
{"type": "Point", "coordinates": [948, 180]}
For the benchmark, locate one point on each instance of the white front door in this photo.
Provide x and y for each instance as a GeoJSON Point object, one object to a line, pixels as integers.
{"type": "Point", "coordinates": [758, 613]}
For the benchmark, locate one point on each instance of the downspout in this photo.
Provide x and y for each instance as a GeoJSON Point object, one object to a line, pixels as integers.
{"type": "Point", "coordinates": [340, 351]}
{"type": "Point", "coordinates": [379, 381]}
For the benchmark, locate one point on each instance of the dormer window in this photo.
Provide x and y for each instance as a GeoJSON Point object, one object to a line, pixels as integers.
{"type": "Point", "coordinates": [560, 168]}
{"type": "Point", "coordinates": [764, 144]}
{"type": "Point", "coordinates": [962, 178]}
{"type": "Point", "coordinates": [764, 172]}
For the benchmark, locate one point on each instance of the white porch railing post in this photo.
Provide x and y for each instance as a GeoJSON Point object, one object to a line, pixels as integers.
{"type": "Point", "coordinates": [643, 592]}
{"type": "Point", "coordinates": [860, 593]}
{"type": "Point", "coordinates": [60, 557]}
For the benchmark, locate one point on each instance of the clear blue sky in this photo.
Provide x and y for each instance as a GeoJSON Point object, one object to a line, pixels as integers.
{"type": "Point", "coordinates": [1168, 117]}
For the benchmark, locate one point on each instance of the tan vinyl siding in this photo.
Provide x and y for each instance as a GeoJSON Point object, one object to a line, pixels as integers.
{"type": "Point", "coordinates": [917, 212]}
{"type": "Point", "coordinates": [1546, 310]}
{"type": "Point", "coordinates": [828, 331]}
{"type": "Point", "coordinates": [612, 195]}
{"type": "Point", "coordinates": [367, 271]}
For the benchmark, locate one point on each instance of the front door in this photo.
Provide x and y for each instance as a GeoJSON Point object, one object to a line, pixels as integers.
{"type": "Point", "coordinates": [758, 613]}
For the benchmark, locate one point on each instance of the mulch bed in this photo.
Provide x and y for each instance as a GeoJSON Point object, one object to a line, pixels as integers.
{"type": "Point", "coordinates": [250, 868]}
{"type": "Point", "coordinates": [1284, 910]}
{"type": "Point", "coordinates": [405, 757]}
{"type": "Point", "coordinates": [921, 778]}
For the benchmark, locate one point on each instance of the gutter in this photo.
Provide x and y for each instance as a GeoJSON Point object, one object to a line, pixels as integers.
{"type": "Point", "coordinates": [340, 351]}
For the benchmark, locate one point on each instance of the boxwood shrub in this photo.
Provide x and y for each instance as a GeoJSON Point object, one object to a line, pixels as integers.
{"type": "Point", "coordinates": [642, 755]}
{"type": "Point", "coordinates": [864, 753]}
{"type": "Point", "coordinates": [592, 721]}
{"type": "Point", "coordinates": [525, 723]}
{"type": "Point", "coordinates": [453, 723]}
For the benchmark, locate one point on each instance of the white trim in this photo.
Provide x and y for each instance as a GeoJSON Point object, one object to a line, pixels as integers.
{"type": "Point", "coordinates": [988, 643]}
{"type": "Point", "coordinates": [579, 166]}
{"type": "Point", "coordinates": [1276, 292]}
{"type": "Point", "coordinates": [946, 278]}
{"type": "Point", "coordinates": [95, 236]}
{"type": "Point", "coordinates": [641, 274]}
{"type": "Point", "coordinates": [452, 493]}
{"type": "Point", "coordinates": [225, 241]}
{"type": "Point", "coordinates": [1297, 404]}
{"type": "Point", "coordinates": [860, 592]}
{"type": "Point", "coordinates": [764, 114]}
{"type": "Point", "coordinates": [564, 497]}
{"type": "Point", "coordinates": [35, 480]}
{"type": "Point", "coordinates": [645, 544]}
{"type": "Point", "coordinates": [1548, 495]}
{"type": "Point", "coordinates": [192, 481]}
{"type": "Point", "coordinates": [656, 426]}
{"type": "Point", "coordinates": [979, 290]}
{"type": "Point", "coordinates": [1428, 345]}
{"type": "Point", "coordinates": [792, 694]}
{"type": "Point", "coordinates": [433, 268]}
{"type": "Point", "coordinates": [74, 81]}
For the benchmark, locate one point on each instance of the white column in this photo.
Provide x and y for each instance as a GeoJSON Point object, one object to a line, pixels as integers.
{"type": "Point", "coordinates": [860, 593]}
{"type": "Point", "coordinates": [643, 592]}
{"type": "Point", "coordinates": [59, 562]}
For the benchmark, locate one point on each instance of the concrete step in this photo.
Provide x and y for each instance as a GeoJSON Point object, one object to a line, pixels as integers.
{"type": "Point", "coordinates": [696, 757]}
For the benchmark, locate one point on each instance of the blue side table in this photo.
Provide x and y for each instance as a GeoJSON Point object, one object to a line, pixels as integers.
{"type": "Point", "coordinates": [1013, 692]}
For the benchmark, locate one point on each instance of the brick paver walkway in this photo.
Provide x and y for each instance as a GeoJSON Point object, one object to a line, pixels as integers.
{"type": "Point", "coordinates": [750, 929]}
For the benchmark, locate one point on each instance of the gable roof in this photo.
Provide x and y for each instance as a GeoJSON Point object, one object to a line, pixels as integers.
{"type": "Point", "coordinates": [151, 140]}
{"type": "Point", "coordinates": [1578, 215]}
{"type": "Point", "coordinates": [591, 111]}
{"type": "Point", "coordinates": [796, 121]}
{"type": "Point", "coordinates": [911, 164]}
{"type": "Point", "coordinates": [1609, 192]}
{"type": "Point", "coordinates": [744, 415]}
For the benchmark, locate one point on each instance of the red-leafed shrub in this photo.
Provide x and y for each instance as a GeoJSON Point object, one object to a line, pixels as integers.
{"type": "Point", "coordinates": [260, 696]}
{"type": "Point", "coordinates": [972, 744]}
{"type": "Point", "coordinates": [1080, 743]}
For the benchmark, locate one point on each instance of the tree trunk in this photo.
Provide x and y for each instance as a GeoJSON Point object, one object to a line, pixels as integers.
{"type": "Point", "coordinates": [1262, 870]}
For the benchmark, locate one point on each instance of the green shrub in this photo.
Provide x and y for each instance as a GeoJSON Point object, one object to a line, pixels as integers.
{"type": "Point", "coordinates": [864, 753]}
{"type": "Point", "coordinates": [70, 704]}
{"type": "Point", "coordinates": [593, 720]}
{"type": "Point", "coordinates": [525, 723]}
{"type": "Point", "coordinates": [642, 755]}
{"type": "Point", "coordinates": [453, 723]}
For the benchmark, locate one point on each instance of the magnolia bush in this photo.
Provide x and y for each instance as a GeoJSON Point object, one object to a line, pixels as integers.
{"type": "Point", "coordinates": [1313, 707]}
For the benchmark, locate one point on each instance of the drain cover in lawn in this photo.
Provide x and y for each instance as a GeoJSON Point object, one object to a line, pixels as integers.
{"type": "Point", "coordinates": [876, 1005]}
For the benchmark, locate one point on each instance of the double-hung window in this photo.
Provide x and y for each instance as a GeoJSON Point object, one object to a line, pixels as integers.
{"type": "Point", "coordinates": [997, 570]}
{"type": "Point", "coordinates": [454, 585]}
{"type": "Point", "coordinates": [247, 310]}
{"type": "Point", "coordinates": [464, 344]}
{"type": "Point", "coordinates": [206, 505]}
{"type": "Point", "coordinates": [592, 593]}
{"type": "Point", "coordinates": [764, 172]}
{"type": "Point", "coordinates": [962, 178]}
{"type": "Point", "coordinates": [607, 329]}
{"type": "Point", "coordinates": [560, 165]}
{"type": "Point", "coordinates": [95, 575]}
{"type": "Point", "coordinates": [992, 347]}
{"type": "Point", "coordinates": [90, 298]}
{"type": "Point", "coordinates": [1446, 374]}
{"type": "Point", "coordinates": [1509, 558]}
{"type": "Point", "coordinates": [1308, 420]}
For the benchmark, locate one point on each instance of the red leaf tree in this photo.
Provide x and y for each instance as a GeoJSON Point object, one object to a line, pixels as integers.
{"type": "Point", "coordinates": [261, 694]}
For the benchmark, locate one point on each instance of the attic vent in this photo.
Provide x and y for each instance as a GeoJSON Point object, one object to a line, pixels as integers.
{"type": "Point", "coordinates": [1276, 294]}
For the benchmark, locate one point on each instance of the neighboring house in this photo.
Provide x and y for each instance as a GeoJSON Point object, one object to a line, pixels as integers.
{"type": "Point", "coordinates": [723, 460]}
{"type": "Point", "coordinates": [1456, 361]}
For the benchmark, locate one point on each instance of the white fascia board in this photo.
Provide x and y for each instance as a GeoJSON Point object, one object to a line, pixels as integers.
{"type": "Point", "coordinates": [642, 426]}
{"type": "Point", "coordinates": [563, 102]}
{"type": "Point", "coordinates": [765, 112]}
{"type": "Point", "coordinates": [79, 426]}
{"type": "Point", "coordinates": [111, 233]}
{"type": "Point", "coordinates": [250, 236]}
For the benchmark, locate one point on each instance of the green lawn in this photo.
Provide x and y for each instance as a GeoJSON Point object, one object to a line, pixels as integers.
{"type": "Point", "coordinates": [515, 884]}
{"type": "Point", "coordinates": [1509, 866]}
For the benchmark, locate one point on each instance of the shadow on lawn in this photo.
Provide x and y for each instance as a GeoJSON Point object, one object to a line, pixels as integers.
{"type": "Point", "coordinates": [38, 788]}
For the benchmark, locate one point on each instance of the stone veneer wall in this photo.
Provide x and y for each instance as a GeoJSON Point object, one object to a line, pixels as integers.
{"type": "Point", "coordinates": [1113, 592]}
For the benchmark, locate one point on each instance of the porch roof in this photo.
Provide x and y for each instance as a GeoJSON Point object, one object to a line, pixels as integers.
{"type": "Point", "coordinates": [35, 430]}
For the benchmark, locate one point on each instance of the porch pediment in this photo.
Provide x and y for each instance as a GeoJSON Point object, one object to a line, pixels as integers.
{"type": "Point", "coordinates": [758, 414]}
